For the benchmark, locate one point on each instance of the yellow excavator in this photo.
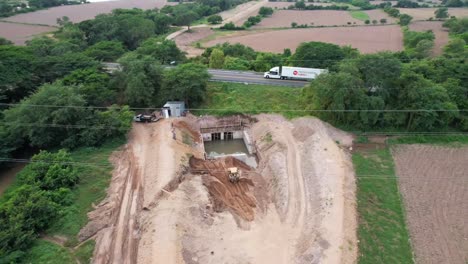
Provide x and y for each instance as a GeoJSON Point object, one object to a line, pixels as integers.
{"type": "Point", "coordinates": [234, 174]}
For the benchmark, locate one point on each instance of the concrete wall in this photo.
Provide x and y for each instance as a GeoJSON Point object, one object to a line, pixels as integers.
{"type": "Point", "coordinates": [235, 135]}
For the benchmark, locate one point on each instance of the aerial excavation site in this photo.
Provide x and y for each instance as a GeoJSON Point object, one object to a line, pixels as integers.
{"type": "Point", "coordinates": [238, 189]}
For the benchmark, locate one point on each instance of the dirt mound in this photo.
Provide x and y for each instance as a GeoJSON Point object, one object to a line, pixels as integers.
{"type": "Point", "coordinates": [236, 197]}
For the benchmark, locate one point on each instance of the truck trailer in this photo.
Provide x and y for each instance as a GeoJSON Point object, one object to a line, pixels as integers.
{"type": "Point", "coordinates": [285, 72]}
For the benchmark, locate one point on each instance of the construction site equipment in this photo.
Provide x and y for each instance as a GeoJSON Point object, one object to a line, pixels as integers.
{"type": "Point", "coordinates": [146, 118]}
{"type": "Point", "coordinates": [234, 174]}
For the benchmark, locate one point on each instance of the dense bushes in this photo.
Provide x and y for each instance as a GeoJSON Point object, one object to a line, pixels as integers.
{"type": "Point", "coordinates": [423, 91]}
{"type": "Point", "coordinates": [43, 188]}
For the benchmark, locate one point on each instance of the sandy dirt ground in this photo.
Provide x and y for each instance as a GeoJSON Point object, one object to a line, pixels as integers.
{"type": "Point", "coordinates": [426, 13]}
{"type": "Point", "coordinates": [19, 33]}
{"type": "Point", "coordinates": [284, 18]}
{"type": "Point", "coordinates": [185, 40]}
{"type": "Point", "coordinates": [368, 39]}
{"type": "Point", "coordinates": [441, 34]}
{"type": "Point", "coordinates": [433, 181]}
{"type": "Point", "coordinates": [297, 206]}
{"type": "Point", "coordinates": [78, 13]}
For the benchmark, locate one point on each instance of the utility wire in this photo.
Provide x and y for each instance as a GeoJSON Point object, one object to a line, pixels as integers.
{"type": "Point", "coordinates": [243, 110]}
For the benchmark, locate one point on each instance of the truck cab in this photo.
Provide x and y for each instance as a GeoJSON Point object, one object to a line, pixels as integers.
{"type": "Point", "coordinates": [273, 73]}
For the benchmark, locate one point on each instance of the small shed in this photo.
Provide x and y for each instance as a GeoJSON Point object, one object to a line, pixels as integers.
{"type": "Point", "coordinates": [173, 109]}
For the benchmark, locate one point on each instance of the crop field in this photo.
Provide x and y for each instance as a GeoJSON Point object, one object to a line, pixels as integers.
{"type": "Point", "coordinates": [284, 18]}
{"type": "Point", "coordinates": [426, 13]}
{"type": "Point", "coordinates": [378, 14]}
{"type": "Point", "coordinates": [368, 39]}
{"type": "Point", "coordinates": [440, 33]}
{"type": "Point", "coordinates": [281, 5]}
{"type": "Point", "coordinates": [19, 33]}
{"type": "Point", "coordinates": [433, 182]}
{"type": "Point", "coordinates": [78, 13]}
{"type": "Point", "coordinates": [359, 15]}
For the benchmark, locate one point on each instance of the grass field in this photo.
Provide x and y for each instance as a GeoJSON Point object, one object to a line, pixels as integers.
{"type": "Point", "coordinates": [231, 98]}
{"type": "Point", "coordinates": [382, 233]}
{"type": "Point", "coordinates": [46, 252]}
{"type": "Point", "coordinates": [363, 16]}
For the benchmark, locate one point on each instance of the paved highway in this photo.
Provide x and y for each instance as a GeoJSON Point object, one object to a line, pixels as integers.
{"type": "Point", "coordinates": [251, 78]}
{"type": "Point", "coordinates": [246, 77]}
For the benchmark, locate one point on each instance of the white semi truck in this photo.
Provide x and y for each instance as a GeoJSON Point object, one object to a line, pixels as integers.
{"type": "Point", "coordinates": [285, 72]}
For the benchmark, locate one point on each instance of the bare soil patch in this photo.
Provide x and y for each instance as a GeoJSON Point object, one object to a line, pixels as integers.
{"type": "Point", "coordinates": [368, 39]}
{"type": "Point", "coordinates": [19, 33]}
{"type": "Point", "coordinates": [284, 18]}
{"type": "Point", "coordinates": [185, 40]}
{"type": "Point", "coordinates": [426, 13]}
{"type": "Point", "coordinates": [433, 181]}
{"type": "Point", "coordinates": [441, 34]}
{"type": "Point", "coordinates": [8, 175]}
{"type": "Point", "coordinates": [281, 5]}
{"type": "Point", "coordinates": [78, 13]}
{"type": "Point", "coordinates": [378, 14]}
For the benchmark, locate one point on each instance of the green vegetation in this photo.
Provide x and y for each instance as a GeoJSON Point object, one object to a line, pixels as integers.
{"type": "Point", "coordinates": [85, 252]}
{"type": "Point", "coordinates": [47, 252]}
{"type": "Point", "coordinates": [418, 44]}
{"type": "Point", "coordinates": [94, 174]}
{"type": "Point", "coordinates": [360, 15]}
{"type": "Point", "coordinates": [232, 98]}
{"type": "Point", "coordinates": [452, 140]}
{"type": "Point", "coordinates": [382, 233]}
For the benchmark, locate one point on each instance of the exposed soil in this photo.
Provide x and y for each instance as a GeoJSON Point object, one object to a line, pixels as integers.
{"type": "Point", "coordinates": [8, 175]}
{"type": "Point", "coordinates": [20, 33]}
{"type": "Point", "coordinates": [284, 18]}
{"type": "Point", "coordinates": [297, 206]}
{"type": "Point", "coordinates": [433, 181]}
{"type": "Point", "coordinates": [281, 5]}
{"type": "Point", "coordinates": [426, 13]}
{"type": "Point", "coordinates": [78, 13]}
{"type": "Point", "coordinates": [378, 14]}
{"type": "Point", "coordinates": [441, 34]}
{"type": "Point", "coordinates": [368, 39]}
{"type": "Point", "coordinates": [185, 40]}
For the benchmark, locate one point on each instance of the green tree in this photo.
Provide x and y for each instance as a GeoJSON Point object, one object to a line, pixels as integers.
{"type": "Point", "coordinates": [317, 54]}
{"type": "Point", "coordinates": [216, 59]}
{"type": "Point", "coordinates": [423, 49]}
{"type": "Point", "coordinates": [231, 63]}
{"type": "Point", "coordinates": [405, 19]}
{"type": "Point", "coordinates": [141, 79]}
{"type": "Point", "coordinates": [265, 11]}
{"type": "Point", "coordinates": [187, 82]}
{"type": "Point", "coordinates": [215, 19]}
{"type": "Point", "coordinates": [374, 22]}
{"type": "Point", "coordinates": [4, 41]}
{"type": "Point", "coordinates": [18, 75]}
{"type": "Point", "coordinates": [300, 5]}
{"type": "Point", "coordinates": [92, 84]}
{"type": "Point", "coordinates": [383, 21]}
{"type": "Point", "coordinates": [185, 19]}
{"type": "Point", "coordinates": [441, 12]}
{"type": "Point", "coordinates": [165, 51]}
{"type": "Point", "coordinates": [106, 50]}
{"type": "Point", "coordinates": [265, 61]}
{"type": "Point", "coordinates": [367, 22]}
{"type": "Point", "coordinates": [456, 48]}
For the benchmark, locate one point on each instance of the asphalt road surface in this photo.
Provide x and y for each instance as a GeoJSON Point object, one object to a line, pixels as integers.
{"type": "Point", "coordinates": [246, 77]}
{"type": "Point", "coordinates": [251, 78]}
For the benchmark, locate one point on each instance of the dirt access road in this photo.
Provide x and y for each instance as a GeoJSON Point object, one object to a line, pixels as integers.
{"type": "Point", "coordinates": [297, 206]}
{"type": "Point", "coordinates": [433, 181]}
{"type": "Point", "coordinates": [237, 15]}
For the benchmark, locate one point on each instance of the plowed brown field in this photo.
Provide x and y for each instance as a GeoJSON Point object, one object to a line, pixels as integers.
{"type": "Point", "coordinates": [368, 39]}
{"type": "Point", "coordinates": [434, 183]}
{"type": "Point", "coordinates": [284, 18]}
{"type": "Point", "coordinates": [426, 13]}
{"type": "Point", "coordinates": [78, 13]}
{"type": "Point", "coordinates": [440, 33]}
{"type": "Point", "coordinates": [19, 33]}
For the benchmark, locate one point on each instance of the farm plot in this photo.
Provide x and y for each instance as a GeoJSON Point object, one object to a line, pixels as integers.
{"type": "Point", "coordinates": [284, 18]}
{"type": "Point", "coordinates": [20, 33]}
{"type": "Point", "coordinates": [281, 5]}
{"type": "Point", "coordinates": [440, 33]}
{"type": "Point", "coordinates": [78, 13]}
{"type": "Point", "coordinates": [368, 39]}
{"type": "Point", "coordinates": [426, 13]}
{"type": "Point", "coordinates": [185, 40]}
{"type": "Point", "coordinates": [433, 181]}
{"type": "Point", "coordinates": [378, 14]}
